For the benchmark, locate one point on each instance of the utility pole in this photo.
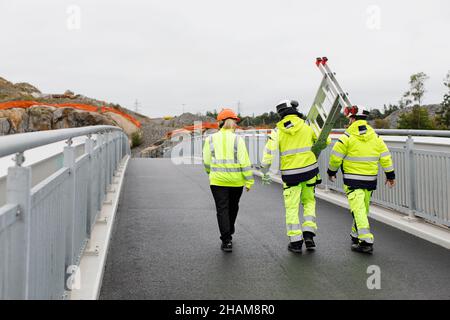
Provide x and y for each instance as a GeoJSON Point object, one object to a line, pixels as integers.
{"type": "Point", "coordinates": [238, 107]}
{"type": "Point", "coordinates": [136, 106]}
{"type": "Point", "coordinates": [183, 106]}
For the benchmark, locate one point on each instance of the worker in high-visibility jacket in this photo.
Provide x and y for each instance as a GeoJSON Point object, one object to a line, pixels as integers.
{"type": "Point", "coordinates": [299, 172]}
{"type": "Point", "coordinates": [357, 152]}
{"type": "Point", "coordinates": [226, 160]}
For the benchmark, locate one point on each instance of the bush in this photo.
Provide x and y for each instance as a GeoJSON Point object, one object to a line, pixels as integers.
{"type": "Point", "coordinates": [418, 118]}
{"type": "Point", "coordinates": [381, 124]}
{"type": "Point", "coordinates": [136, 139]}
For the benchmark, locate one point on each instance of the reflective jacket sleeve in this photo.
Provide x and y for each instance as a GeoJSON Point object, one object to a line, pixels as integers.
{"type": "Point", "coordinates": [386, 160]}
{"type": "Point", "coordinates": [270, 150]}
{"type": "Point", "coordinates": [245, 163]}
{"type": "Point", "coordinates": [207, 155]}
{"type": "Point", "coordinates": [337, 155]}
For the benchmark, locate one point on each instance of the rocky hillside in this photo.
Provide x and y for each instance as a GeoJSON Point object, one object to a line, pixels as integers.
{"type": "Point", "coordinates": [44, 111]}
{"type": "Point", "coordinates": [154, 133]}
{"type": "Point", "coordinates": [41, 115]}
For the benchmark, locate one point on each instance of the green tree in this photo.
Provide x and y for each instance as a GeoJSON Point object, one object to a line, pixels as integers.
{"type": "Point", "coordinates": [418, 118]}
{"type": "Point", "coordinates": [443, 119]}
{"type": "Point", "coordinates": [212, 114]}
{"type": "Point", "coordinates": [375, 114]}
{"type": "Point", "coordinates": [390, 109]}
{"type": "Point", "coordinates": [416, 90]}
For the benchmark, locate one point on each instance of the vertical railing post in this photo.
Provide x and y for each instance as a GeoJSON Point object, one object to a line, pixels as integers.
{"type": "Point", "coordinates": [120, 144]}
{"type": "Point", "coordinates": [69, 162]}
{"type": "Point", "coordinates": [18, 191]}
{"type": "Point", "coordinates": [107, 160]}
{"type": "Point", "coordinates": [412, 176]}
{"type": "Point", "coordinates": [88, 149]}
{"type": "Point", "coordinates": [101, 169]}
{"type": "Point", "coordinates": [117, 149]}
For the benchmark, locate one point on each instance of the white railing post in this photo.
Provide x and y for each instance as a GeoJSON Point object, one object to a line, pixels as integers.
{"type": "Point", "coordinates": [412, 176]}
{"type": "Point", "coordinates": [108, 160]}
{"type": "Point", "coordinates": [113, 153]}
{"type": "Point", "coordinates": [88, 149]}
{"type": "Point", "coordinates": [69, 162]}
{"type": "Point", "coordinates": [118, 157]}
{"type": "Point", "coordinates": [99, 170]}
{"type": "Point", "coordinates": [18, 191]}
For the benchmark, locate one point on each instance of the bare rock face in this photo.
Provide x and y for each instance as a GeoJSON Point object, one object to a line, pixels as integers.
{"type": "Point", "coordinates": [18, 119]}
{"type": "Point", "coordinates": [5, 126]}
{"type": "Point", "coordinates": [40, 118]}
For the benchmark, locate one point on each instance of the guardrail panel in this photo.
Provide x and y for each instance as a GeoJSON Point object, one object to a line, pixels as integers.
{"type": "Point", "coordinates": [47, 237]}
{"type": "Point", "coordinates": [8, 217]}
{"type": "Point", "coordinates": [37, 234]}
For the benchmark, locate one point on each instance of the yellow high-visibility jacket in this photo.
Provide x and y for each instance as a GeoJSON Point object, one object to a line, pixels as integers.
{"type": "Point", "coordinates": [226, 160]}
{"type": "Point", "coordinates": [357, 153]}
{"type": "Point", "coordinates": [294, 139]}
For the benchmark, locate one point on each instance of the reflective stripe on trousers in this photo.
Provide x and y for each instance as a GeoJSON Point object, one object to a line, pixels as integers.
{"type": "Point", "coordinates": [296, 238]}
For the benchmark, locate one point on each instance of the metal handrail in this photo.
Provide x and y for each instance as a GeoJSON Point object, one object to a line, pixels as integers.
{"type": "Point", "coordinates": [407, 132]}
{"type": "Point", "coordinates": [21, 142]}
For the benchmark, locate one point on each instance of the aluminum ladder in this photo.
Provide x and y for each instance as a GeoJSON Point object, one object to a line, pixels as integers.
{"type": "Point", "coordinates": [328, 102]}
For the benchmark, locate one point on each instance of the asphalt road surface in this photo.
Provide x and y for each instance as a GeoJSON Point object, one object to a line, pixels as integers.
{"type": "Point", "coordinates": [166, 245]}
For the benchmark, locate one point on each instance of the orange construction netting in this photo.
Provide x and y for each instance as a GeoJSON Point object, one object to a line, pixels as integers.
{"type": "Point", "coordinates": [79, 106]}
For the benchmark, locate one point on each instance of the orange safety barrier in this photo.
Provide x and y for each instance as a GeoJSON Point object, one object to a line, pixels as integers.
{"type": "Point", "coordinates": [203, 126]}
{"type": "Point", "coordinates": [79, 106]}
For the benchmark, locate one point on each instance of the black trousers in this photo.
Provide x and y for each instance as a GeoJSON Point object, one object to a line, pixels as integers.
{"type": "Point", "coordinates": [227, 206]}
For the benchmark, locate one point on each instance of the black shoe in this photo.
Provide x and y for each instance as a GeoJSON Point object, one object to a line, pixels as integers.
{"type": "Point", "coordinates": [227, 246]}
{"type": "Point", "coordinates": [362, 247]}
{"type": "Point", "coordinates": [354, 240]}
{"type": "Point", "coordinates": [296, 246]}
{"type": "Point", "coordinates": [309, 241]}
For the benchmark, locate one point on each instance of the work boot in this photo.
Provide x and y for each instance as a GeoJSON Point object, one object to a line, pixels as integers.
{"type": "Point", "coordinates": [355, 240]}
{"type": "Point", "coordinates": [296, 246]}
{"type": "Point", "coordinates": [227, 246]}
{"type": "Point", "coordinates": [362, 247]}
{"type": "Point", "coordinates": [309, 241]}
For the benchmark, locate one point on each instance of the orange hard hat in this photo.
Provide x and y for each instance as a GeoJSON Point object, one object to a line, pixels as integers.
{"type": "Point", "coordinates": [227, 114]}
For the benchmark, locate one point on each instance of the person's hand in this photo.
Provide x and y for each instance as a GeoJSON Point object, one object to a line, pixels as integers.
{"type": "Point", "coordinates": [390, 183]}
{"type": "Point", "coordinates": [266, 179]}
{"type": "Point", "coordinates": [247, 189]}
{"type": "Point", "coordinates": [332, 178]}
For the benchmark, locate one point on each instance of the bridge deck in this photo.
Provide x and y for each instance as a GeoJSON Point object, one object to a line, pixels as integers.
{"type": "Point", "coordinates": [166, 246]}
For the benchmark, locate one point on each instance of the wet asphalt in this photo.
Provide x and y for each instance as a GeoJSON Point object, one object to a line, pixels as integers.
{"type": "Point", "coordinates": [166, 245]}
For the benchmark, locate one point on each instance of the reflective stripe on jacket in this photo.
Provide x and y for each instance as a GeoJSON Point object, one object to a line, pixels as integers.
{"type": "Point", "coordinates": [226, 160]}
{"type": "Point", "coordinates": [294, 139]}
{"type": "Point", "coordinates": [358, 152]}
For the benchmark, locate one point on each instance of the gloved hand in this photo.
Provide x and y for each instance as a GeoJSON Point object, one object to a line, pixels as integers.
{"type": "Point", "coordinates": [266, 179]}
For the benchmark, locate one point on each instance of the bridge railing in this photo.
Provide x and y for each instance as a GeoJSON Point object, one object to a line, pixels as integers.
{"type": "Point", "coordinates": [422, 171]}
{"type": "Point", "coordinates": [44, 229]}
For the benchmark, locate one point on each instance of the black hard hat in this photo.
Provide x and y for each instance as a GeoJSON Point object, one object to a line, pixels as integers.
{"type": "Point", "coordinates": [286, 104]}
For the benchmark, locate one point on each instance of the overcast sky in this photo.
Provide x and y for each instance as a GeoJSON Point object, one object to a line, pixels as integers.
{"type": "Point", "coordinates": [206, 54]}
